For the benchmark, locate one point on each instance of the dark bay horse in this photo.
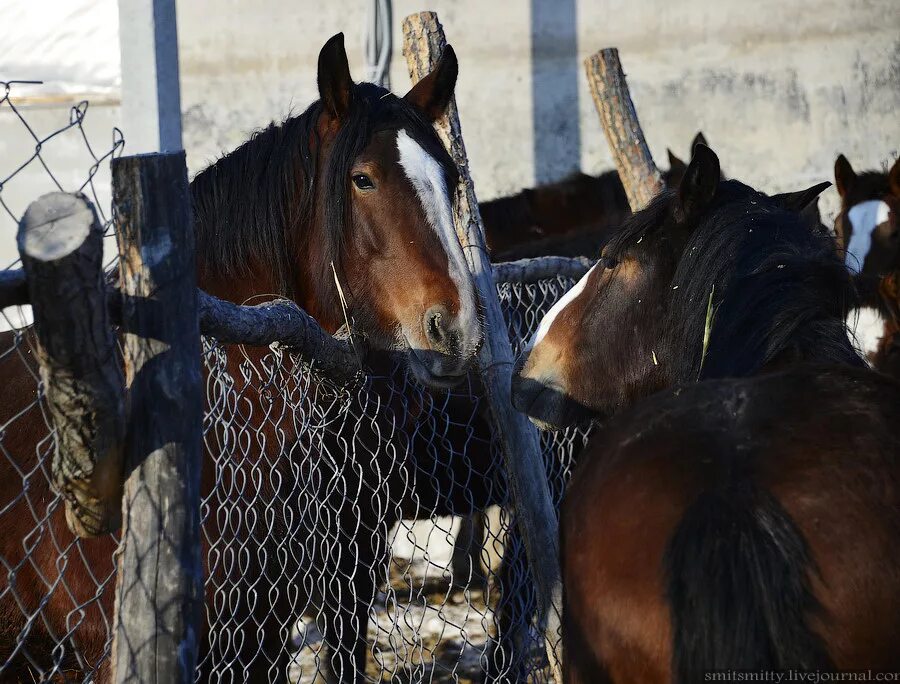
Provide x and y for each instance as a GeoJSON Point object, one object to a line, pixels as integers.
{"type": "Point", "coordinates": [867, 232]}
{"type": "Point", "coordinates": [355, 190]}
{"type": "Point", "coordinates": [571, 217]}
{"type": "Point", "coordinates": [738, 508]}
{"type": "Point", "coordinates": [887, 355]}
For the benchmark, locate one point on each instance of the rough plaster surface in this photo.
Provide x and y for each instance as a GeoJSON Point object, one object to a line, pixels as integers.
{"type": "Point", "coordinates": [779, 88]}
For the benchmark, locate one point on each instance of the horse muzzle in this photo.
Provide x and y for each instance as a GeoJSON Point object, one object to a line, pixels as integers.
{"type": "Point", "coordinates": [447, 350]}
{"type": "Point", "coordinates": [546, 404]}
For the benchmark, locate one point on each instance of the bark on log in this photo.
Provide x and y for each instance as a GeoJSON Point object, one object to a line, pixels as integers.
{"type": "Point", "coordinates": [284, 323]}
{"type": "Point", "coordinates": [60, 241]}
{"type": "Point", "coordinates": [541, 268]}
{"type": "Point", "coordinates": [279, 322]}
{"type": "Point", "coordinates": [13, 288]}
{"type": "Point", "coordinates": [633, 160]}
{"type": "Point", "coordinates": [159, 591]}
{"type": "Point", "coordinates": [423, 43]}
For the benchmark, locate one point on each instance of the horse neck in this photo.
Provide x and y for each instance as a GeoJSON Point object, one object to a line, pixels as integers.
{"type": "Point", "coordinates": [257, 283]}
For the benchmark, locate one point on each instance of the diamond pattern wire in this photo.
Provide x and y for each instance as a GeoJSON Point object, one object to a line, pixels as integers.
{"type": "Point", "coordinates": [365, 527]}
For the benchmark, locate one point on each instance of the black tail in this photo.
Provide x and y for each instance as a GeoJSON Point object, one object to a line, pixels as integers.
{"type": "Point", "coordinates": [738, 586]}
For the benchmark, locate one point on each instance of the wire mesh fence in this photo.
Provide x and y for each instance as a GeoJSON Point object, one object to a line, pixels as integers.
{"type": "Point", "coordinates": [359, 533]}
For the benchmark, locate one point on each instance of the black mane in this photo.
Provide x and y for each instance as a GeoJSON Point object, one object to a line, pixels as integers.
{"type": "Point", "coordinates": [778, 287]}
{"type": "Point", "coordinates": [255, 205]}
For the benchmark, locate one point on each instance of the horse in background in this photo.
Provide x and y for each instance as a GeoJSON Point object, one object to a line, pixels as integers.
{"type": "Point", "coordinates": [580, 203]}
{"type": "Point", "coordinates": [867, 233]}
{"type": "Point", "coordinates": [572, 217]}
{"type": "Point", "coordinates": [356, 190]}
{"type": "Point", "coordinates": [738, 508]}
{"type": "Point", "coordinates": [887, 355]}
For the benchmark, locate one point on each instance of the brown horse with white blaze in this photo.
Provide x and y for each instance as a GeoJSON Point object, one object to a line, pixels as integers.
{"type": "Point", "coordinates": [867, 231]}
{"type": "Point", "coordinates": [355, 190]}
{"type": "Point", "coordinates": [739, 506]}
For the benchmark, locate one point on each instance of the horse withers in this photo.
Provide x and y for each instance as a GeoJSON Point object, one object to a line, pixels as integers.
{"type": "Point", "coordinates": [738, 508]}
{"type": "Point", "coordinates": [355, 194]}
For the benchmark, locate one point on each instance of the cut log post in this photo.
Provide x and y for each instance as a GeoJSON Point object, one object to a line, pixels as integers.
{"type": "Point", "coordinates": [159, 592]}
{"type": "Point", "coordinates": [423, 43]}
{"type": "Point", "coordinates": [60, 241]}
{"type": "Point", "coordinates": [633, 160]}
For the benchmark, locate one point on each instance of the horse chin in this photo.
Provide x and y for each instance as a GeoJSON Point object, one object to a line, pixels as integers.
{"type": "Point", "coordinates": [425, 372]}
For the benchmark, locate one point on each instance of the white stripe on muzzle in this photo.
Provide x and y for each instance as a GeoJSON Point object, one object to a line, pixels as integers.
{"type": "Point", "coordinates": [864, 217]}
{"type": "Point", "coordinates": [427, 178]}
{"type": "Point", "coordinates": [556, 309]}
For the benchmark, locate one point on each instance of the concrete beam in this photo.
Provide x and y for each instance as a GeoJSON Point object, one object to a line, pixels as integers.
{"type": "Point", "coordinates": [151, 96]}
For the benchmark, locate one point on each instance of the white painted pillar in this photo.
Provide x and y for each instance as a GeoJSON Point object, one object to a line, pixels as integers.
{"type": "Point", "coordinates": [151, 96]}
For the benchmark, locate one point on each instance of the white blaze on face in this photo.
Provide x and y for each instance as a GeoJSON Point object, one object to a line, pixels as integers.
{"type": "Point", "coordinates": [427, 178]}
{"type": "Point", "coordinates": [864, 218]}
{"type": "Point", "coordinates": [556, 309]}
{"type": "Point", "coordinates": [866, 327]}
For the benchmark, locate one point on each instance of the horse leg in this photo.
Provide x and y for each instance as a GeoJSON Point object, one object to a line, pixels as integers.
{"type": "Point", "coordinates": [466, 559]}
{"type": "Point", "coordinates": [344, 616]}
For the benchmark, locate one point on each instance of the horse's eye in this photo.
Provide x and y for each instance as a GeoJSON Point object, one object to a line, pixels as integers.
{"type": "Point", "coordinates": [609, 262]}
{"type": "Point", "coordinates": [363, 182]}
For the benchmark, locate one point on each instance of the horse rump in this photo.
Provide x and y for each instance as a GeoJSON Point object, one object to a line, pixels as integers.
{"type": "Point", "coordinates": [737, 576]}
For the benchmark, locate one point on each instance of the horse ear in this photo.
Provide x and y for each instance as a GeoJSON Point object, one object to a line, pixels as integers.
{"type": "Point", "coordinates": [798, 201]}
{"type": "Point", "coordinates": [894, 178]}
{"type": "Point", "coordinates": [844, 175]}
{"type": "Point", "coordinates": [700, 182]}
{"type": "Point", "coordinates": [433, 93]}
{"type": "Point", "coordinates": [699, 139]}
{"type": "Point", "coordinates": [335, 84]}
{"type": "Point", "coordinates": [675, 163]}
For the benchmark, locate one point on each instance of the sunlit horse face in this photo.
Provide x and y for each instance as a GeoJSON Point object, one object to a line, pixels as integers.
{"type": "Point", "coordinates": [406, 279]}
{"type": "Point", "coordinates": [868, 227]}
{"type": "Point", "coordinates": [597, 346]}
{"type": "Point", "coordinates": [606, 343]}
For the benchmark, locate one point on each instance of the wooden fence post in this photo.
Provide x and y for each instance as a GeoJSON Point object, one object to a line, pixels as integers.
{"type": "Point", "coordinates": [159, 593]}
{"type": "Point", "coordinates": [423, 43]}
{"type": "Point", "coordinates": [61, 244]}
{"type": "Point", "coordinates": [633, 160]}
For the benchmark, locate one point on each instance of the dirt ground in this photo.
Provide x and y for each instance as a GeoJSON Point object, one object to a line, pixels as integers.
{"type": "Point", "coordinates": [421, 628]}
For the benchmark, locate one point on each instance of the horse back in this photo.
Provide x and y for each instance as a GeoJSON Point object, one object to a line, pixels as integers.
{"type": "Point", "coordinates": [775, 497]}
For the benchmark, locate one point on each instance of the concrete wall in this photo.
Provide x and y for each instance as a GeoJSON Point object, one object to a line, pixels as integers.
{"type": "Point", "coordinates": [778, 87]}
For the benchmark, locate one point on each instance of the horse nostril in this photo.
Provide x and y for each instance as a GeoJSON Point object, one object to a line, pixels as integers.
{"type": "Point", "coordinates": [437, 322]}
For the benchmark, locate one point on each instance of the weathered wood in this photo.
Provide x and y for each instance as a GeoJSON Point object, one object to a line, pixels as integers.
{"type": "Point", "coordinates": [60, 241]}
{"type": "Point", "coordinates": [13, 288]}
{"type": "Point", "coordinates": [423, 43]}
{"type": "Point", "coordinates": [159, 594]}
{"type": "Point", "coordinates": [634, 162]}
{"type": "Point", "coordinates": [284, 323]}
{"type": "Point", "coordinates": [541, 268]}
{"type": "Point", "coordinates": [280, 322]}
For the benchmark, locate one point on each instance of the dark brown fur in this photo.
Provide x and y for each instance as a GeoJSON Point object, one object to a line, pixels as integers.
{"type": "Point", "coordinates": [272, 218]}
{"type": "Point", "coordinates": [750, 520]}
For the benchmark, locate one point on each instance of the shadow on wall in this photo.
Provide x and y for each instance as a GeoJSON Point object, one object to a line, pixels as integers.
{"type": "Point", "coordinates": [554, 89]}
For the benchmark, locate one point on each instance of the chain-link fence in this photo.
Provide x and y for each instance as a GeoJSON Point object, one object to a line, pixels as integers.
{"type": "Point", "coordinates": [331, 520]}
